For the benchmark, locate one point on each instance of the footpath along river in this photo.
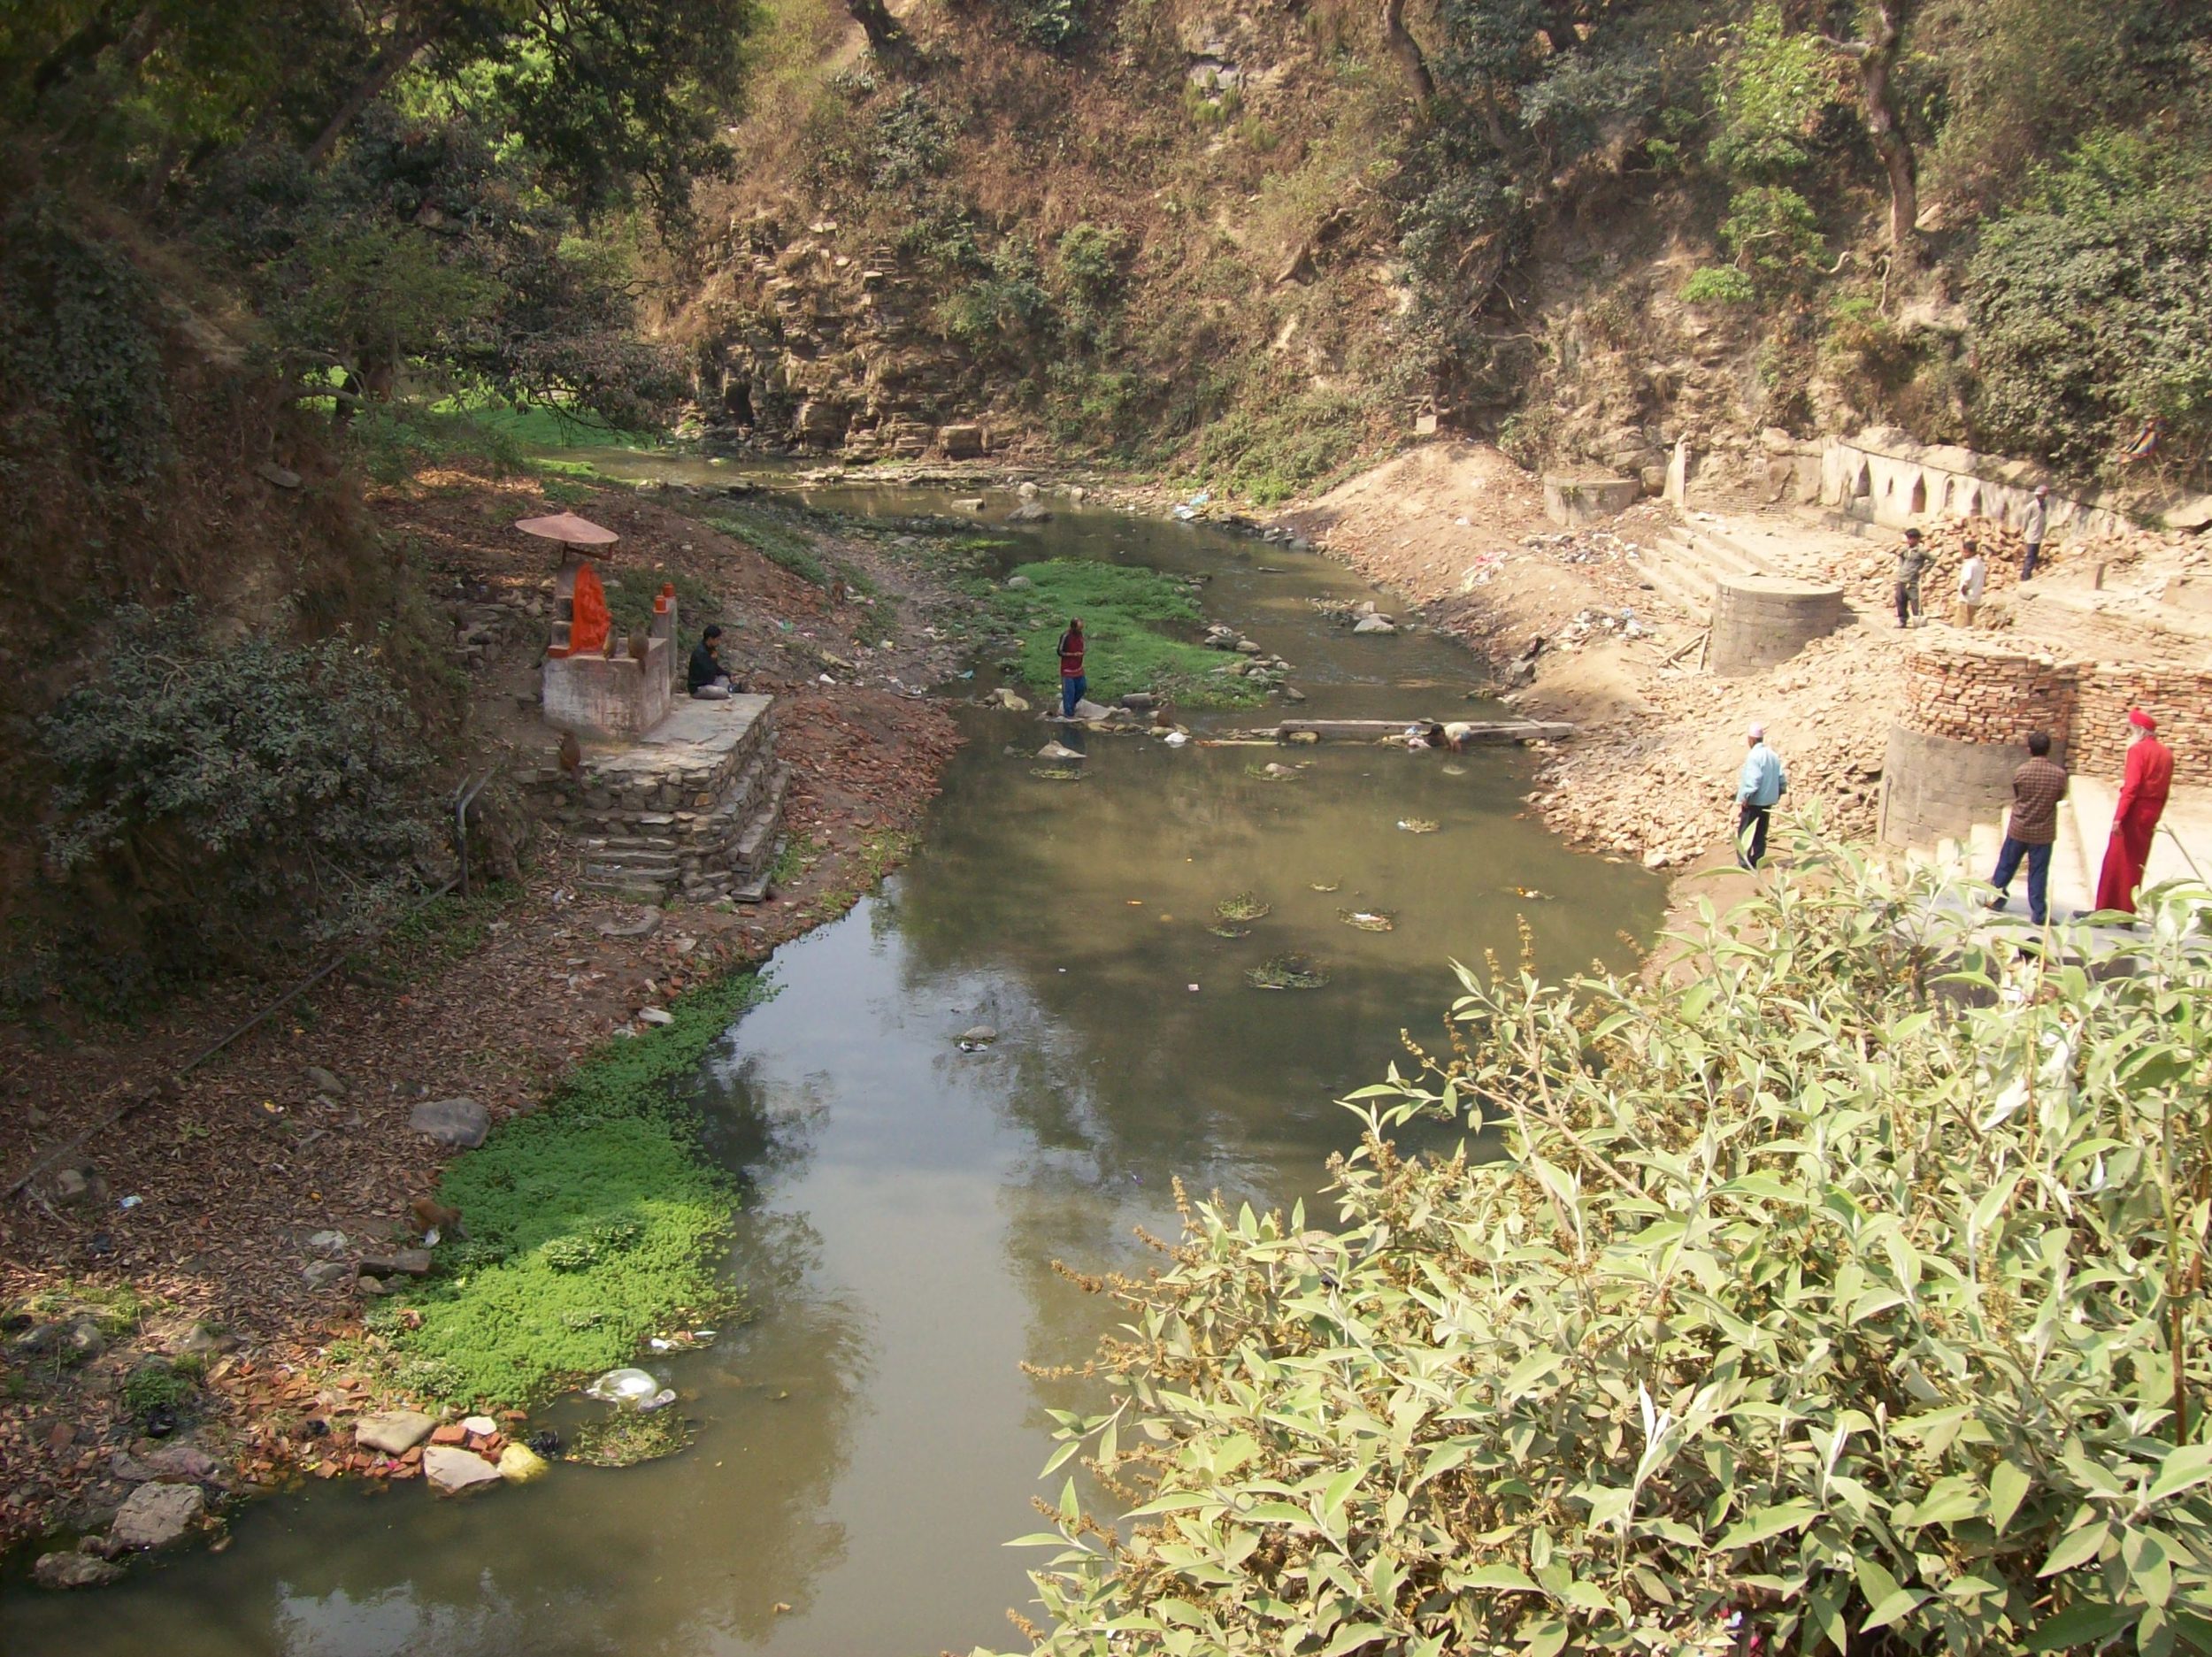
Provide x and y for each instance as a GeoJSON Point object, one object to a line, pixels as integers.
{"type": "Point", "coordinates": [867, 1440]}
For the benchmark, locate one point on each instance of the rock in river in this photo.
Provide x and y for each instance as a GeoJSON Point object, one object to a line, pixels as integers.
{"type": "Point", "coordinates": [1373, 623]}
{"type": "Point", "coordinates": [394, 1432]}
{"type": "Point", "coordinates": [455, 1470]}
{"type": "Point", "coordinates": [74, 1570]}
{"type": "Point", "coordinates": [158, 1516]}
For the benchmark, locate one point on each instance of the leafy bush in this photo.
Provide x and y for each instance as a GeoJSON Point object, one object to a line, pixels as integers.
{"type": "Point", "coordinates": [1772, 232]}
{"type": "Point", "coordinates": [238, 787]}
{"type": "Point", "coordinates": [78, 355]}
{"type": "Point", "coordinates": [1271, 452]}
{"type": "Point", "coordinates": [1719, 285]}
{"type": "Point", "coordinates": [1847, 1281]}
{"type": "Point", "coordinates": [1051, 24]}
{"type": "Point", "coordinates": [1772, 96]}
{"type": "Point", "coordinates": [2092, 308]}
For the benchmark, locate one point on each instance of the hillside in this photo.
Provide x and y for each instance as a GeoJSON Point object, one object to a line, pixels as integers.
{"type": "Point", "coordinates": [1252, 245]}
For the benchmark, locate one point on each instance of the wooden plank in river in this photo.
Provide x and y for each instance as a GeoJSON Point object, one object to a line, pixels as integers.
{"type": "Point", "coordinates": [1477, 731]}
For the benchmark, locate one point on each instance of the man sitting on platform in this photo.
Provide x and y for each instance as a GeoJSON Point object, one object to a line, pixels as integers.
{"type": "Point", "coordinates": [709, 679]}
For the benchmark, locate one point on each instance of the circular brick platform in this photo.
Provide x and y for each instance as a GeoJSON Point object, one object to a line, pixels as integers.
{"type": "Point", "coordinates": [1760, 621]}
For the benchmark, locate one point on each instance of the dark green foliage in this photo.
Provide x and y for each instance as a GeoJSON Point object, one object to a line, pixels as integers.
{"type": "Point", "coordinates": [156, 1383]}
{"type": "Point", "coordinates": [1054, 25]}
{"type": "Point", "coordinates": [1772, 232]}
{"type": "Point", "coordinates": [80, 359]}
{"type": "Point", "coordinates": [2093, 308]}
{"type": "Point", "coordinates": [1271, 452]}
{"type": "Point", "coordinates": [245, 790]}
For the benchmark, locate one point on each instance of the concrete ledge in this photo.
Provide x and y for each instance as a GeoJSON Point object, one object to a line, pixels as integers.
{"type": "Point", "coordinates": [1760, 621]}
{"type": "Point", "coordinates": [1572, 500]}
{"type": "Point", "coordinates": [1937, 788]}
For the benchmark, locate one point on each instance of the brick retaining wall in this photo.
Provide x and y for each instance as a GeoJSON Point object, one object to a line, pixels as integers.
{"type": "Point", "coordinates": [1982, 694]}
{"type": "Point", "coordinates": [2181, 701]}
{"type": "Point", "coordinates": [1970, 706]}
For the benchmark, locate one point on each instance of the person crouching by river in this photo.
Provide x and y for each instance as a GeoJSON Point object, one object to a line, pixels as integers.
{"type": "Point", "coordinates": [1759, 785]}
{"type": "Point", "coordinates": [1072, 684]}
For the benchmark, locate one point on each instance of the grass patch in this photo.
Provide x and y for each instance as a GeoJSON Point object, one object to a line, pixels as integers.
{"type": "Point", "coordinates": [1242, 907]}
{"type": "Point", "coordinates": [156, 1385]}
{"type": "Point", "coordinates": [1124, 610]}
{"type": "Point", "coordinates": [544, 425]}
{"type": "Point", "coordinates": [118, 1308]}
{"type": "Point", "coordinates": [592, 1225]}
{"type": "Point", "coordinates": [430, 938]}
{"type": "Point", "coordinates": [774, 539]}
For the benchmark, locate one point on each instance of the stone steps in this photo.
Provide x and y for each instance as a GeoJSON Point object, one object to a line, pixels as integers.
{"type": "Point", "coordinates": [755, 846]}
{"type": "Point", "coordinates": [1690, 559]}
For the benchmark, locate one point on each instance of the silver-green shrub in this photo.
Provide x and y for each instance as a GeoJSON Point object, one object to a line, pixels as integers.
{"type": "Point", "coordinates": [1847, 1278]}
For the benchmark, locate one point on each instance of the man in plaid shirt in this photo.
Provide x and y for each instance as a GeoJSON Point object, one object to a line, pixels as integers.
{"type": "Point", "coordinates": [2037, 788]}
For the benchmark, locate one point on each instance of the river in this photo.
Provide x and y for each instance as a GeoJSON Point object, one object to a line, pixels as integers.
{"type": "Point", "coordinates": [867, 1439]}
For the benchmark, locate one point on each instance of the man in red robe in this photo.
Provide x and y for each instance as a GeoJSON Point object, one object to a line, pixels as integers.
{"type": "Point", "coordinates": [2150, 774]}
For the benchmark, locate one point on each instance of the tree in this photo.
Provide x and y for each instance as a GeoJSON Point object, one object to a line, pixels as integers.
{"type": "Point", "coordinates": [1407, 51]}
{"type": "Point", "coordinates": [1877, 59]}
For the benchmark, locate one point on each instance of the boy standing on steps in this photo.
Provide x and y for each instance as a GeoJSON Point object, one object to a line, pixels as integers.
{"type": "Point", "coordinates": [2032, 529]}
{"type": "Point", "coordinates": [2033, 828]}
{"type": "Point", "coordinates": [1912, 559]}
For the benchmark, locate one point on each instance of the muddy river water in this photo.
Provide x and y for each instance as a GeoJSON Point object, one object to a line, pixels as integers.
{"type": "Point", "coordinates": [868, 1440]}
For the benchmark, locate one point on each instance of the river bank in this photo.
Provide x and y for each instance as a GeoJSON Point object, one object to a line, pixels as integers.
{"type": "Point", "coordinates": [184, 1238]}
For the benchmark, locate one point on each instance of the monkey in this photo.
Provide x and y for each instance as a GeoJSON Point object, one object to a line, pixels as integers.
{"type": "Point", "coordinates": [641, 646]}
{"type": "Point", "coordinates": [571, 754]}
{"type": "Point", "coordinates": [433, 1215]}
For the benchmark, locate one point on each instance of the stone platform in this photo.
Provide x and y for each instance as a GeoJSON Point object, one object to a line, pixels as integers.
{"type": "Point", "coordinates": [692, 808]}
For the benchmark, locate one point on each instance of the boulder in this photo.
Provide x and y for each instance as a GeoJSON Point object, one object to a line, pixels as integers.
{"type": "Point", "coordinates": [1057, 751]}
{"type": "Point", "coordinates": [179, 1461]}
{"type": "Point", "coordinates": [156, 1516]}
{"type": "Point", "coordinates": [415, 1263]}
{"type": "Point", "coordinates": [1030, 512]}
{"type": "Point", "coordinates": [968, 504]}
{"type": "Point", "coordinates": [960, 442]}
{"type": "Point", "coordinates": [518, 1464]}
{"type": "Point", "coordinates": [454, 1471]}
{"type": "Point", "coordinates": [324, 1081]}
{"type": "Point", "coordinates": [459, 1122]}
{"type": "Point", "coordinates": [74, 1570]}
{"type": "Point", "coordinates": [1018, 583]}
{"type": "Point", "coordinates": [1091, 712]}
{"type": "Point", "coordinates": [394, 1432]}
{"type": "Point", "coordinates": [978, 1032]}
{"type": "Point", "coordinates": [323, 1273]}
{"type": "Point", "coordinates": [1373, 623]}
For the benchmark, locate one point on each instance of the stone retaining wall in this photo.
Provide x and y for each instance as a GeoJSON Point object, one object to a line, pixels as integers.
{"type": "Point", "coordinates": [1885, 477]}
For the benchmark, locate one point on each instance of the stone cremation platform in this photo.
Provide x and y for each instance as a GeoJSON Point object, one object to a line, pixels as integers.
{"type": "Point", "coordinates": [691, 806]}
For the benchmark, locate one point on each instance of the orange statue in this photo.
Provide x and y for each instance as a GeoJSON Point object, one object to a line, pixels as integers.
{"type": "Point", "coordinates": [588, 622]}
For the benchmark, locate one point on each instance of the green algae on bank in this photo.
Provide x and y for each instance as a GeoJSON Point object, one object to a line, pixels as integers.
{"type": "Point", "coordinates": [591, 1226]}
{"type": "Point", "coordinates": [1124, 610]}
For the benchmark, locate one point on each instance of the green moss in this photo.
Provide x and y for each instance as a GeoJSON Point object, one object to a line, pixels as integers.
{"type": "Point", "coordinates": [1124, 610]}
{"type": "Point", "coordinates": [591, 1224]}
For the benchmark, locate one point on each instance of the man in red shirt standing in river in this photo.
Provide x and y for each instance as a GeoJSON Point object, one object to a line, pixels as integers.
{"type": "Point", "coordinates": [2143, 790]}
{"type": "Point", "coordinates": [1072, 684]}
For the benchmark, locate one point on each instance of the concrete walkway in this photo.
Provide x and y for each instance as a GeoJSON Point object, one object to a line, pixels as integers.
{"type": "Point", "coordinates": [2085, 824]}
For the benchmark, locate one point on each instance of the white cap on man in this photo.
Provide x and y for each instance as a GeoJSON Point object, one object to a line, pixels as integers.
{"type": "Point", "coordinates": [1758, 732]}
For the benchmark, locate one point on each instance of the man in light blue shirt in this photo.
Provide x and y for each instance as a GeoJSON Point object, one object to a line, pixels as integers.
{"type": "Point", "coordinates": [1758, 785]}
